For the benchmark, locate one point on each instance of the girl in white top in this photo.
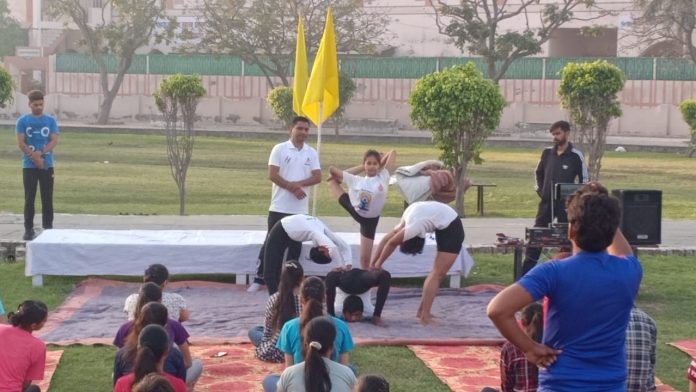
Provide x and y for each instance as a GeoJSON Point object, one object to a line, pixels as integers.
{"type": "Point", "coordinates": [366, 195]}
{"type": "Point", "coordinates": [317, 373]}
{"type": "Point", "coordinates": [419, 219]}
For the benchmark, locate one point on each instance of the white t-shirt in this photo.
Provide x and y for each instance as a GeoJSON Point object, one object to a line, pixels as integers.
{"type": "Point", "coordinates": [424, 217]}
{"type": "Point", "coordinates": [342, 378]}
{"type": "Point", "coordinates": [295, 165]}
{"type": "Point", "coordinates": [308, 228]}
{"type": "Point", "coordinates": [366, 297]}
{"type": "Point", "coordinates": [172, 301]}
{"type": "Point", "coordinates": [367, 194]}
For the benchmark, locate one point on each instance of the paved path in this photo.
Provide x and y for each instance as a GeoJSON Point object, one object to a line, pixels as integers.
{"type": "Point", "coordinates": [676, 234]}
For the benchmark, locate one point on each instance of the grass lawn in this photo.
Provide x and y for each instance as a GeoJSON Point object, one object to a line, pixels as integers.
{"type": "Point", "coordinates": [229, 175]}
{"type": "Point", "coordinates": [666, 281]}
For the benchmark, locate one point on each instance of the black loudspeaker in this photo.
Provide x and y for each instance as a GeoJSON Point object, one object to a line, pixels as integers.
{"type": "Point", "coordinates": [641, 221]}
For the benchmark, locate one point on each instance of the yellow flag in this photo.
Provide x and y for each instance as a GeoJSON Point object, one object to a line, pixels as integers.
{"type": "Point", "coordinates": [300, 80]}
{"type": "Point", "coordinates": [323, 82]}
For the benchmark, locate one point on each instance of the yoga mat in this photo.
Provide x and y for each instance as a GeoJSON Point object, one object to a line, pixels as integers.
{"type": "Point", "coordinates": [686, 345]}
{"type": "Point", "coordinates": [52, 359]}
{"type": "Point", "coordinates": [223, 313]}
{"type": "Point", "coordinates": [470, 368]}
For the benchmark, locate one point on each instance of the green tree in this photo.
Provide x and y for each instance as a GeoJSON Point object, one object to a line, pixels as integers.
{"type": "Point", "coordinates": [124, 27]}
{"type": "Point", "coordinates": [474, 25]}
{"type": "Point", "coordinates": [688, 111]}
{"type": "Point", "coordinates": [667, 21]}
{"type": "Point", "coordinates": [263, 32]}
{"type": "Point", "coordinates": [280, 101]}
{"type": "Point", "coordinates": [11, 31]}
{"type": "Point", "coordinates": [346, 90]}
{"type": "Point", "coordinates": [177, 99]}
{"type": "Point", "coordinates": [589, 91]}
{"type": "Point", "coordinates": [6, 87]}
{"type": "Point", "coordinates": [462, 109]}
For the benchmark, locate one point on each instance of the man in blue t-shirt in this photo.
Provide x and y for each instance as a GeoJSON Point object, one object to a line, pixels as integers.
{"type": "Point", "coordinates": [37, 136]}
{"type": "Point", "coordinates": [590, 295]}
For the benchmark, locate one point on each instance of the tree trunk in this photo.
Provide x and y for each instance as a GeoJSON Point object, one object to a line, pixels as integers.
{"type": "Point", "coordinates": [105, 107]}
{"type": "Point", "coordinates": [182, 197]}
{"type": "Point", "coordinates": [110, 93]}
{"type": "Point", "coordinates": [459, 174]}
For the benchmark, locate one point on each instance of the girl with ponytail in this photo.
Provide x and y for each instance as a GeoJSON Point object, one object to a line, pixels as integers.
{"type": "Point", "coordinates": [516, 372]}
{"type": "Point", "coordinates": [153, 347]}
{"type": "Point", "coordinates": [317, 373]}
{"type": "Point", "coordinates": [312, 295]}
{"type": "Point", "coordinates": [281, 307]}
{"type": "Point", "coordinates": [23, 356]}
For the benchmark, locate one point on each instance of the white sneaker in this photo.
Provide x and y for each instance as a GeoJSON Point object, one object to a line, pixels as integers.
{"type": "Point", "coordinates": [254, 287]}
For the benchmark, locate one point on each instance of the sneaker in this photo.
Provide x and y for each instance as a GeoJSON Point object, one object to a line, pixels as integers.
{"type": "Point", "coordinates": [28, 235]}
{"type": "Point", "coordinates": [254, 287]}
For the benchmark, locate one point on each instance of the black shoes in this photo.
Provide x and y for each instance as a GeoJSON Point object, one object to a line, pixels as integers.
{"type": "Point", "coordinates": [28, 235]}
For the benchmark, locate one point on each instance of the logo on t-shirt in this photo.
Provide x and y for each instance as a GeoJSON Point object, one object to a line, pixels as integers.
{"type": "Point", "coordinates": [365, 198]}
{"type": "Point", "coordinates": [308, 162]}
{"type": "Point", "coordinates": [565, 167]}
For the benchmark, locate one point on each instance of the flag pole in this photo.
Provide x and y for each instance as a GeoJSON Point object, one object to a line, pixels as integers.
{"type": "Point", "coordinates": [316, 187]}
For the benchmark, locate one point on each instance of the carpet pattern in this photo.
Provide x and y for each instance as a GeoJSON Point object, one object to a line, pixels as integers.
{"type": "Point", "coordinates": [462, 368]}
{"type": "Point", "coordinates": [238, 370]}
{"type": "Point", "coordinates": [471, 368]}
{"type": "Point", "coordinates": [686, 345]}
{"type": "Point", "coordinates": [52, 359]}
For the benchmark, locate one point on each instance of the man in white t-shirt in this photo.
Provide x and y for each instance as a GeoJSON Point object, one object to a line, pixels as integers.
{"type": "Point", "coordinates": [327, 246]}
{"type": "Point", "coordinates": [293, 167]}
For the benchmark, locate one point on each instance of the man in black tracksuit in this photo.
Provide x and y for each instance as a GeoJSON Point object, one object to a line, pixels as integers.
{"type": "Point", "coordinates": [561, 163]}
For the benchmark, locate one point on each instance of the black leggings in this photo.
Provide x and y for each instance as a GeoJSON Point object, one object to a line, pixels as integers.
{"type": "Point", "coordinates": [276, 243]}
{"type": "Point", "coordinates": [356, 282]}
{"type": "Point", "coordinates": [368, 226]}
{"type": "Point", "coordinates": [32, 179]}
{"type": "Point", "coordinates": [294, 248]}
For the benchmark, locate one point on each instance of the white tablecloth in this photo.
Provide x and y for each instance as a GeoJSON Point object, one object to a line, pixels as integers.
{"type": "Point", "coordinates": [129, 252]}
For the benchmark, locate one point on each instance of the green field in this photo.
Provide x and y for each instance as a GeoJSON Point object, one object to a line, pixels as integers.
{"type": "Point", "coordinates": [229, 176]}
{"type": "Point", "coordinates": [126, 173]}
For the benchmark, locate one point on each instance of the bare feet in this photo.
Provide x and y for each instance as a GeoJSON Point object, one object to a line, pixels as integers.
{"type": "Point", "coordinates": [376, 320]}
{"type": "Point", "coordinates": [426, 319]}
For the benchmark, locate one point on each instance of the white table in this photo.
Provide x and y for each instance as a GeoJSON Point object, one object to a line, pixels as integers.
{"type": "Point", "coordinates": [129, 252]}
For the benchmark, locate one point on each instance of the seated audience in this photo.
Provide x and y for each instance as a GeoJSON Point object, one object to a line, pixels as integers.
{"type": "Point", "coordinates": [641, 345]}
{"type": "Point", "coordinates": [599, 282]}
{"type": "Point", "coordinates": [128, 332]}
{"type": "Point", "coordinates": [317, 373]}
{"type": "Point", "coordinates": [22, 355]}
{"type": "Point", "coordinates": [348, 293]}
{"type": "Point", "coordinates": [152, 313]}
{"type": "Point", "coordinates": [153, 382]}
{"type": "Point", "coordinates": [280, 307]}
{"type": "Point", "coordinates": [153, 346]}
{"type": "Point", "coordinates": [175, 303]}
{"type": "Point", "coordinates": [371, 383]}
{"type": "Point", "coordinates": [312, 295]}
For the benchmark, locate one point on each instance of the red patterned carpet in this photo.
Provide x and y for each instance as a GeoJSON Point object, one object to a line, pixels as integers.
{"type": "Point", "coordinates": [52, 359]}
{"type": "Point", "coordinates": [686, 345]}
{"type": "Point", "coordinates": [462, 368]}
{"type": "Point", "coordinates": [470, 368]}
{"type": "Point", "coordinates": [239, 370]}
